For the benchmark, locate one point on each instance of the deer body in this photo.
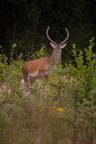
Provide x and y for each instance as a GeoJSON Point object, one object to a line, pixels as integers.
{"type": "Point", "coordinates": [40, 67]}
{"type": "Point", "coordinates": [43, 66]}
{"type": "Point", "coordinates": [36, 68]}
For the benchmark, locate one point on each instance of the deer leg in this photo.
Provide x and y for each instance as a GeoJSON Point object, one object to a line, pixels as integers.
{"type": "Point", "coordinates": [31, 78]}
{"type": "Point", "coordinates": [22, 84]}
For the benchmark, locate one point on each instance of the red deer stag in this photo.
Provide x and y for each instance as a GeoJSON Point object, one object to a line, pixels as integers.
{"type": "Point", "coordinates": [43, 66]}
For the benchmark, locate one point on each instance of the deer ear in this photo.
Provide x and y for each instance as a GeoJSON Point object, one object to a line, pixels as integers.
{"type": "Point", "coordinates": [62, 46]}
{"type": "Point", "coordinates": [53, 45]}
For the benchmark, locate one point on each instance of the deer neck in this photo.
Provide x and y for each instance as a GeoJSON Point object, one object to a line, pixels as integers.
{"type": "Point", "coordinates": [55, 58]}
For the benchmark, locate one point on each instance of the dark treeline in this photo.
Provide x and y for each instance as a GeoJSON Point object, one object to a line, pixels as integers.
{"type": "Point", "coordinates": [24, 22]}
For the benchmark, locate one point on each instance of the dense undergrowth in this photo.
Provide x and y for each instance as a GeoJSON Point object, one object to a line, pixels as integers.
{"type": "Point", "coordinates": [59, 110]}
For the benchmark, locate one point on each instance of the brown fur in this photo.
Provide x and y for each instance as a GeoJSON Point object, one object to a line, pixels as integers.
{"type": "Point", "coordinates": [40, 66]}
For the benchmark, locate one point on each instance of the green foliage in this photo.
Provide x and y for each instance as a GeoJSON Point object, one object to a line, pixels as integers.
{"type": "Point", "coordinates": [41, 52]}
{"type": "Point", "coordinates": [61, 109]}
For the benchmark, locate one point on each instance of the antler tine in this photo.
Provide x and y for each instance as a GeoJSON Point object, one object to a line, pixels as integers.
{"type": "Point", "coordinates": [67, 37]}
{"type": "Point", "coordinates": [48, 35]}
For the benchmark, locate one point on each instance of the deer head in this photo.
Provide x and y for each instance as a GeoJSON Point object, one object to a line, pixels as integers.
{"type": "Point", "coordinates": [56, 56]}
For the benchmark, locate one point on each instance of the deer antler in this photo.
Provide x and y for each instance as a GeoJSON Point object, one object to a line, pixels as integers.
{"type": "Point", "coordinates": [67, 37]}
{"type": "Point", "coordinates": [48, 35]}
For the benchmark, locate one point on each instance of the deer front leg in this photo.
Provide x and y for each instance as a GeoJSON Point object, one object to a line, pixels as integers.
{"type": "Point", "coordinates": [31, 78]}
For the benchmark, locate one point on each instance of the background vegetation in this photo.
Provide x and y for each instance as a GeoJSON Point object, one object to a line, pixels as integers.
{"type": "Point", "coordinates": [59, 110]}
{"type": "Point", "coordinates": [24, 23]}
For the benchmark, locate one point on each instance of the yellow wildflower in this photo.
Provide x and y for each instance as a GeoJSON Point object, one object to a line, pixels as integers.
{"type": "Point", "coordinates": [58, 109]}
